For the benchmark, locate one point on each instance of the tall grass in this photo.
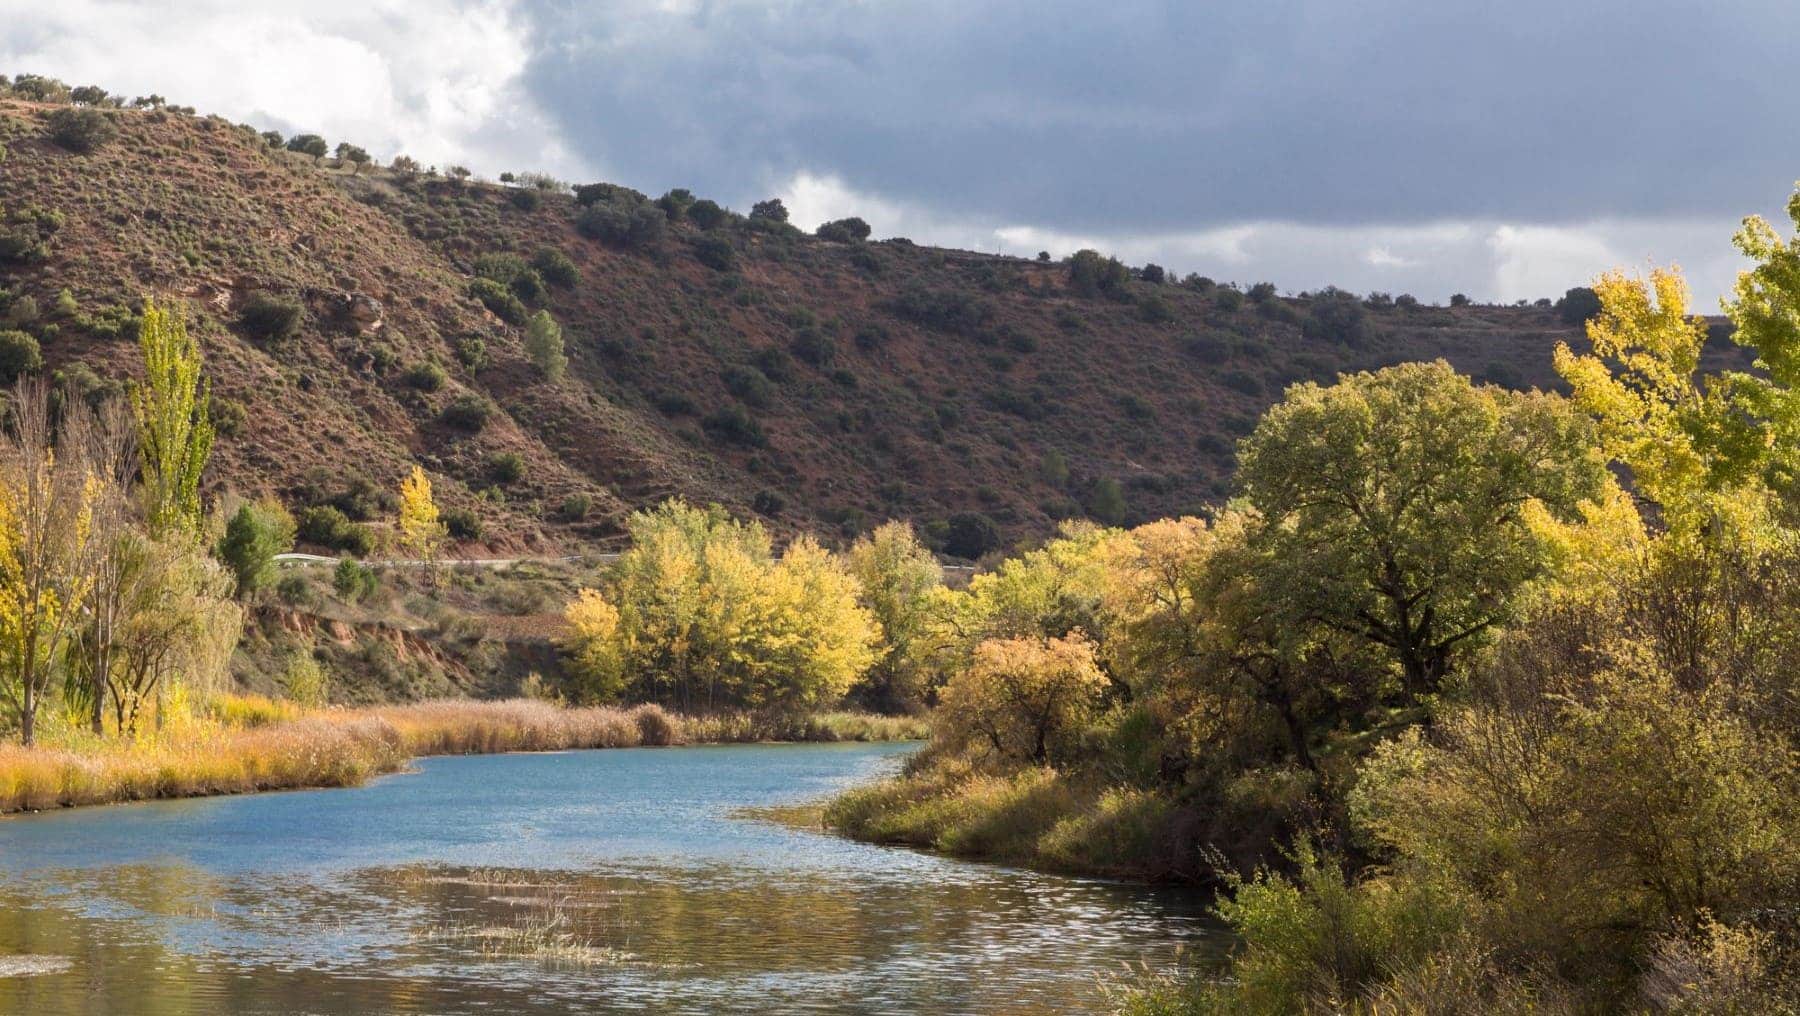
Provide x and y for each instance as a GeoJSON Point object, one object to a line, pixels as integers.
{"type": "Point", "coordinates": [241, 744]}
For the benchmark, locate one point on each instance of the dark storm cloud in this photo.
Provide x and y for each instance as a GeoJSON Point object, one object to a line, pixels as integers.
{"type": "Point", "coordinates": [1139, 116]}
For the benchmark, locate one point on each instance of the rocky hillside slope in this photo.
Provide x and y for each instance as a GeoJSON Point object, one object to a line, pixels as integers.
{"type": "Point", "coordinates": [825, 384]}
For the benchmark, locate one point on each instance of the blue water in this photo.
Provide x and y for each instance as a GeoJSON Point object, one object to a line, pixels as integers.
{"type": "Point", "coordinates": [604, 881]}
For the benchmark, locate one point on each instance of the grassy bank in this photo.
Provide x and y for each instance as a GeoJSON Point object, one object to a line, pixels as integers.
{"type": "Point", "coordinates": [1037, 817]}
{"type": "Point", "coordinates": [246, 744]}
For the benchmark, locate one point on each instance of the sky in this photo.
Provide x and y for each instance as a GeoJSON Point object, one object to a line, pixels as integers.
{"type": "Point", "coordinates": [1503, 150]}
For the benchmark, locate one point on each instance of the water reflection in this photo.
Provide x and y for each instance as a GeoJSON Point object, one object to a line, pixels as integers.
{"type": "Point", "coordinates": [599, 881]}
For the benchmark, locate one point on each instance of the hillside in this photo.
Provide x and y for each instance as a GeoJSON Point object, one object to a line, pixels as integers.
{"type": "Point", "coordinates": [825, 385]}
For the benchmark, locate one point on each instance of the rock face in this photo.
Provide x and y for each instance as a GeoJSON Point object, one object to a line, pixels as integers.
{"type": "Point", "coordinates": [361, 311]}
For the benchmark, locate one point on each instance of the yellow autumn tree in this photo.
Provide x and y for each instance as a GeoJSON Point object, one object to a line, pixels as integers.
{"type": "Point", "coordinates": [422, 534]}
{"type": "Point", "coordinates": [701, 614]}
{"type": "Point", "coordinates": [1024, 699]}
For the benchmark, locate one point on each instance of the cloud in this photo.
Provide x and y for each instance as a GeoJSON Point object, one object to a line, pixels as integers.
{"type": "Point", "coordinates": [1503, 150]}
{"type": "Point", "coordinates": [441, 81]}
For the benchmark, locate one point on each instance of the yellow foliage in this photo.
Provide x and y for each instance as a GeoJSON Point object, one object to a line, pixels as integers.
{"type": "Point", "coordinates": [1024, 698]}
{"type": "Point", "coordinates": [421, 533]}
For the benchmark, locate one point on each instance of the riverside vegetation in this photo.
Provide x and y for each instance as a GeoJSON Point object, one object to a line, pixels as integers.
{"type": "Point", "coordinates": [1470, 700]}
{"type": "Point", "coordinates": [1455, 721]}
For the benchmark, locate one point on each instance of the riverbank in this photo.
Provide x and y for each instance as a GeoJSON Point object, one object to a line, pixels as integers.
{"type": "Point", "coordinates": [1035, 817]}
{"type": "Point", "coordinates": [248, 744]}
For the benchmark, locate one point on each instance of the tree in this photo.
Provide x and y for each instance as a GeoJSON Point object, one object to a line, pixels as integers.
{"type": "Point", "coordinates": [851, 230]}
{"type": "Point", "coordinates": [1091, 274]}
{"type": "Point", "coordinates": [356, 156]}
{"type": "Point", "coordinates": [594, 654]}
{"type": "Point", "coordinates": [308, 144]}
{"type": "Point", "coordinates": [45, 539]}
{"type": "Point", "coordinates": [709, 618]}
{"type": "Point", "coordinates": [19, 354]}
{"type": "Point", "coordinates": [1396, 504]}
{"type": "Point", "coordinates": [1578, 306]}
{"type": "Point", "coordinates": [421, 533]}
{"type": "Point", "coordinates": [1652, 412]}
{"type": "Point", "coordinates": [175, 434]}
{"type": "Point", "coordinates": [899, 583]}
{"type": "Point", "coordinates": [771, 210]}
{"type": "Point", "coordinates": [81, 130]}
{"type": "Point", "coordinates": [970, 535]}
{"type": "Point", "coordinates": [255, 534]}
{"type": "Point", "coordinates": [1023, 699]}
{"type": "Point", "coordinates": [707, 214]}
{"type": "Point", "coordinates": [107, 441]}
{"type": "Point", "coordinates": [544, 344]}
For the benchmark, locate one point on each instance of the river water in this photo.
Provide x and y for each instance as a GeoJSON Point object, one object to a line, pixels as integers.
{"type": "Point", "coordinates": [601, 881]}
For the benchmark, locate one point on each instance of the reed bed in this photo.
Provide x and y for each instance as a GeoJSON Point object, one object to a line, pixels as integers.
{"type": "Point", "coordinates": [246, 744]}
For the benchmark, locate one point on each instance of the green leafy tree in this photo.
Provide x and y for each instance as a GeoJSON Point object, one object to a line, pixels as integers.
{"type": "Point", "coordinates": [544, 344]}
{"type": "Point", "coordinates": [256, 533]}
{"type": "Point", "coordinates": [900, 584]}
{"type": "Point", "coordinates": [1397, 504]}
{"type": "Point", "coordinates": [175, 434]}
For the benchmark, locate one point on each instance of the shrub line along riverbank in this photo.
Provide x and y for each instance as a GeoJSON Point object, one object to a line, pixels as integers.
{"type": "Point", "coordinates": [252, 745]}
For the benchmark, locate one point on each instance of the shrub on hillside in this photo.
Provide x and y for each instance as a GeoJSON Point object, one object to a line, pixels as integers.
{"type": "Point", "coordinates": [1338, 317]}
{"type": "Point", "coordinates": [467, 412]}
{"type": "Point", "coordinates": [1578, 306]}
{"type": "Point", "coordinates": [81, 130]}
{"type": "Point", "coordinates": [813, 346]}
{"type": "Point", "coordinates": [555, 267]}
{"type": "Point", "coordinates": [1227, 299]}
{"type": "Point", "coordinates": [771, 210]}
{"type": "Point", "coordinates": [19, 354]}
{"type": "Point", "coordinates": [499, 300]}
{"type": "Point", "coordinates": [525, 199]}
{"type": "Point", "coordinates": [631, 226]}
{"type": "Point", "coordinates": [462, 524]}
{"type": "Point", "coordinates": [506, 468]}
{"type": "Point", "coordinates": [426, 376]}
{"type": "Point", "coordinates": [1153, 274]}
{"type": "Point", "coordinates": [255, 534]}
{"type": "Point", "coordinates": [354, 582]}
{"type": "Point", "coordinates": [944, 310]}
{"type": "Point", "coordinates": [735, 425]}
{"type": "Point", "coordinates": [675, 203]}
{"type": "Point", "coordinates": [969, 535]}
{"type": "Point", "coordinates": [850, 230]}
{"type": "Point", "coordinates": [266, 317]}
{"type": "Point", "coordinates": [707, 214]}
{"type": "Point", "coordinates": [544, 344]}
{"type": "Point", "coordinates": [308, 144]}
{"type": "Point", "coordinates": [749, 384]}
{"type": "Point", "coordinates": [328, 527]}
{"type": "Point", "coordinates": [715, 252]}
{"type": "Point", "coordinates": [1093, 274]}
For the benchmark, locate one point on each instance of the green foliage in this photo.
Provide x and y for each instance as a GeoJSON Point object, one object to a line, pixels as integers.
{"type": "Point", "coordinates": [19, 355]}
{"type": "Point", "coordinates": [467, 413]}
{"type": "Point", "coordinates": [256, 533]}
{"type": "Point", "coordinates": [970, 535]}
{"type": "Point", "coordinates": [328, 527]}
{"type": "Point", "coordinates": [462, 524]}
{"type": "Point", "coordinates": [1398, 501]}
{"type": "Point", "coordinates": [707, 214]}
{"type": "Point", "coordinates": [899, 584]}
{"type": "Point", "coordinates": [81, 130]}
{"type": "Point", "coordinates": [735, 425]}
{"type": "Point", "coordinates": [544, 344]}
{"type": "Point", "coordinates": [771, 210]}
{"type": "Point", "coordinates": [1337, 317]}
{"type": "Point", "coordinates": [308, 144]}
{"type": "Point", "coordinates": [500, 300]}
{"type": "Point", "coordinates": [353, 581]}
{"type": "Point", "coordinates": [1091, 274]}
{"type": "Point", "coordinates": [506, 468]}
{"type": "Point", "coordinates": [555, 267]}
{"type": "Point", "coordinates": [632, 225]}
{"type": "Point", "coordinates": [1578, 306]}
{"type": "Point", "coordinates": [426, 376]}
{"type": "Point", "coordinates": [174, 428]}
{"type": "Point", "coordinates": [953, 311]}
{"type": "Point", "coordinates": [715, 252]}
{"type": "Point", "coordinates": [851, 230]}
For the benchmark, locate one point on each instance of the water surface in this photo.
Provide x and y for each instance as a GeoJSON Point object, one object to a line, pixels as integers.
{"type": "Point", "coordinates": [603, 881]}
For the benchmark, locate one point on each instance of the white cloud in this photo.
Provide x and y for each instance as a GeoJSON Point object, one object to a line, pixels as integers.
{"type": "Point", "coordinates": [441, 81]}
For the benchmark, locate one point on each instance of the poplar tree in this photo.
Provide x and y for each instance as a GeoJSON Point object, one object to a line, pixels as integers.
{"type": "Point", "coordinates": [421, 532]}
{"type": "Point", "coordinates": [175, 433]}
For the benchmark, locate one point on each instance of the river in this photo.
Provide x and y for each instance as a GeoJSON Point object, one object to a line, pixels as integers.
{"type": "Point", "coordinates": [599, 881]}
